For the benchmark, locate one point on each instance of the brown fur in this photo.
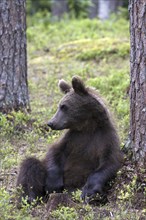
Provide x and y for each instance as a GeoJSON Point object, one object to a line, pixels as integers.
{"type": "Point", "coordinates": [87, 156]}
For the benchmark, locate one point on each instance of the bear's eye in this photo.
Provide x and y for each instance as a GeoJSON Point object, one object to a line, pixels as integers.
{"type": "Point", "coordinates": [63, 107]}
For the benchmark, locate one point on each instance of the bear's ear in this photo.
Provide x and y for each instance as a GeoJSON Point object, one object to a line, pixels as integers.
{"type": "Point", "coordinates": [78, 86]}
{"type": "Point", "coordinates": [64, 86]}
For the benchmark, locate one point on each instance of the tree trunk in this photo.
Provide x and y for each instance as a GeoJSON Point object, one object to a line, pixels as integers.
{"type": "Point", "coordinates": [106, 7]}
{"type": "Point", "coordinates": [13, 66]}
{"type": "Point", "coordinates": [58, 8]}
{"type": "Point", "coordinates": [103, 9]}
{"type": "Point", "coordinates": [93, 9]}
{"type": "Point", "coordinates": [137, 9]}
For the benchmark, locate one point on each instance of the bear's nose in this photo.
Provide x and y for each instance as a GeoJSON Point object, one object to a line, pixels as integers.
{"type": "Point", "coordinates": [50, 124]}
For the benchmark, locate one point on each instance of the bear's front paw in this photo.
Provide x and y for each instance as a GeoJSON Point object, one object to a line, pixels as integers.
{"type": "Point", "coordinates": [89, 191]}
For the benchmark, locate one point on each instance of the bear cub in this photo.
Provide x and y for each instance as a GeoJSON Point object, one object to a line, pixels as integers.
{"type": "Point", "coordinates": [86, 157]}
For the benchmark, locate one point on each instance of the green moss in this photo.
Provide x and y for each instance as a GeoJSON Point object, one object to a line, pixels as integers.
{"type": "Point", "coordinates": [89, 49]}
{"type": "Point", "coordinates": [104, 48]}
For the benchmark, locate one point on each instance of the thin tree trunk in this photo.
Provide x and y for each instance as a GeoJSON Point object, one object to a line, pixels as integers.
{"type": "Point", "coordinates": [58, 8]}
{"type": "Point", "coordinates": [13, 67]}
{"type": "Point", "coordinates": [93, 9]}
{"type": "Point", "coordinates": [106, 7]}
{"type": "Point", "coordinates": [137, 10]}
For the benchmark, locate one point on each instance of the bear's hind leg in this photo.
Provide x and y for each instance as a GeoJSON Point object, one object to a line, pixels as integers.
{"type": "Point", "coordinates": [32, 177]}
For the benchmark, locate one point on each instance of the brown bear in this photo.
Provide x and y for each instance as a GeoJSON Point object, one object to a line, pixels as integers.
{"type": "Point", "coordinates": [86, 157]}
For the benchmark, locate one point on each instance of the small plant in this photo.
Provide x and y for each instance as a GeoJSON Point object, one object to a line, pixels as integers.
{"type": "Point", "coordinates": [76, 195]}
{"type": "Point", "coordinates": [5, 127]}
{"type": "Point", "coordinates": [129, 190]}
{"type": "Point", "coordinates": [8, 209]}
{"type": "Point", "coordinates": [65, 213]}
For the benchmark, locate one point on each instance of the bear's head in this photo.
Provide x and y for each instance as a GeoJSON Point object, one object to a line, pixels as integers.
{"type": "Point", "coordinates": [77, 108]}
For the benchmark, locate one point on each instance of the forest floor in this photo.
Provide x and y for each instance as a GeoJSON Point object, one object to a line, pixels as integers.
{"type": "Point", "coordinates": [99, 53]}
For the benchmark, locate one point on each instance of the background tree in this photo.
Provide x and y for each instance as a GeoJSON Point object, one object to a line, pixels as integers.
{"type": "Point", "coordinates": [59, 8]}
{"type": "Point", "coordinates": [93, 9]}
{"type": "Point", "coordinates": [13, 67]}
{"type": "Point", "coordinates": [138, 79]}
{"type": "Point", "coordinates": [106, 7]}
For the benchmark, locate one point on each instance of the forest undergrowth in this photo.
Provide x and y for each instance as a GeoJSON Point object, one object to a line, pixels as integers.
{"type": "Point", "coordinates": [99, 53]}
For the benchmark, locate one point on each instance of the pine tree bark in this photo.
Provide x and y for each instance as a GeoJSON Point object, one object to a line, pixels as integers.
{"type": "Point", "coordinates": [13, 56]}
{"type": "Point", "coordinates": [137, 9]}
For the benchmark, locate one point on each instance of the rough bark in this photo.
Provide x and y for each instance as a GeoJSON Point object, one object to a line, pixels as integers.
{"type": "Point", "coordinates": [137, 9]}
{"type": "Point", "coordinates": [13, 67]}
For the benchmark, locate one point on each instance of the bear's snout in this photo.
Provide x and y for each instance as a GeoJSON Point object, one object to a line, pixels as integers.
{"type": "Point", "coordinates": [51, 125]}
